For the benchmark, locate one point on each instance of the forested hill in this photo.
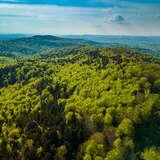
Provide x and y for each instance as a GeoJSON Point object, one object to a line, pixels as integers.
{"type": "Point", "coordinates": [16, 46]}
{"type": "Point", "coordinates": [147, 44]}
{"type": "Point", "coordinates": [86, 103]}
{"type": "Point", "coordinates": [35, 44]}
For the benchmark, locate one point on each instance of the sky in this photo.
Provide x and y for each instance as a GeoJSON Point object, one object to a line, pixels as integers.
{"type": "Point", "coordinates": [64, 17]}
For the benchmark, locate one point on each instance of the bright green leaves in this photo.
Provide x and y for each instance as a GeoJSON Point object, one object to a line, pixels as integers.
{"type": "Point", "coordinates": [61, 153]}
{"type": "Point", "coordinates": [151, 154]}
{"type": "Point", "coordinates": [91, 104]}
{"type": "Point", "coordinates": [125, 128]}
{"type": "Point", "coordinates": [94, 148]}
{"type": "Point", "coordinates": [114, 154]}
{"type": "Point", "coordinates": [108, 119]}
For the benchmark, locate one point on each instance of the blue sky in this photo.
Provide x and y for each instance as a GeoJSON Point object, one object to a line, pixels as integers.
{"type": "Point", "coordinates": [112, 17]}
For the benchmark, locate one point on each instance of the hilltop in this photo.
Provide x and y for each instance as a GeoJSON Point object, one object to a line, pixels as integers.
{"type": "Point", "coordinates": [32, 45]}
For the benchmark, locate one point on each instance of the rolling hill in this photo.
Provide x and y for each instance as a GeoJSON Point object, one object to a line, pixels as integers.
{"type": "Point", "coordinates": [147, 44]}
{"type": "Point", "coordinates": [35, 44]}
{"type": "Point", "coordinates": [24, 45]}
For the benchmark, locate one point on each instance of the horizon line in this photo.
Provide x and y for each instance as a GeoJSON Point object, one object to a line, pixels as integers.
{"type": "Point", "coordinates": [87, 34]}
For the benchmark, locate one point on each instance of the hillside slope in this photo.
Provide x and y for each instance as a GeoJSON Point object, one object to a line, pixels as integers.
{"type": "Point", "coordinates": [35, 44]}
{"type": "Point", "coordinates": [87, 104]}
{"type": "Point", "coordinates": [147, 44]}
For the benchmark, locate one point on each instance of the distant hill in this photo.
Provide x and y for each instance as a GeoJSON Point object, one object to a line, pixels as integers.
{"type": "Point", "coordinates": [35, 44]}
{"type": "Point", "coordinates": [147, 44]}
{"type": "Point", "coordinates": [24, 45]}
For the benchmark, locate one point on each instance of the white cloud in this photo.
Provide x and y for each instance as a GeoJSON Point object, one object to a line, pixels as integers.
{"type": "Point", "coordinates": [116, 19]}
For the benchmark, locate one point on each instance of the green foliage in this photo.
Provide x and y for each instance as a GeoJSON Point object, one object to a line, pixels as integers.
{"type": "Point", "coordinates": [114, 155]}
{"type": "Point", "coordinates": [85, 103]}
{"type": "Point", "coordinates": [31, 45]}
{"type": "Point", "coordinates": [125, 128]}
{"type": "Point", "coordinates": [151, 154]}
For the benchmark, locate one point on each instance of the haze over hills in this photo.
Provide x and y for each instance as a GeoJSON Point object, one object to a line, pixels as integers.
{"type": "Point", "coordinates": [147, 44]}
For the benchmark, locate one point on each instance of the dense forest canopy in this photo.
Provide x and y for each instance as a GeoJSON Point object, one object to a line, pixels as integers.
{"type": "Point", "coordinates": [80, 103]}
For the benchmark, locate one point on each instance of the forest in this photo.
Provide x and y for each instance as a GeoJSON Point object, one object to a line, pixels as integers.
{"type": "Point", "coordinates": [79, 103]}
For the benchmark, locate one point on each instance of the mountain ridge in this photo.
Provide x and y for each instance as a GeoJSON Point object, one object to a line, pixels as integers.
{"type": "Point", "coordinates": [34, 44]}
